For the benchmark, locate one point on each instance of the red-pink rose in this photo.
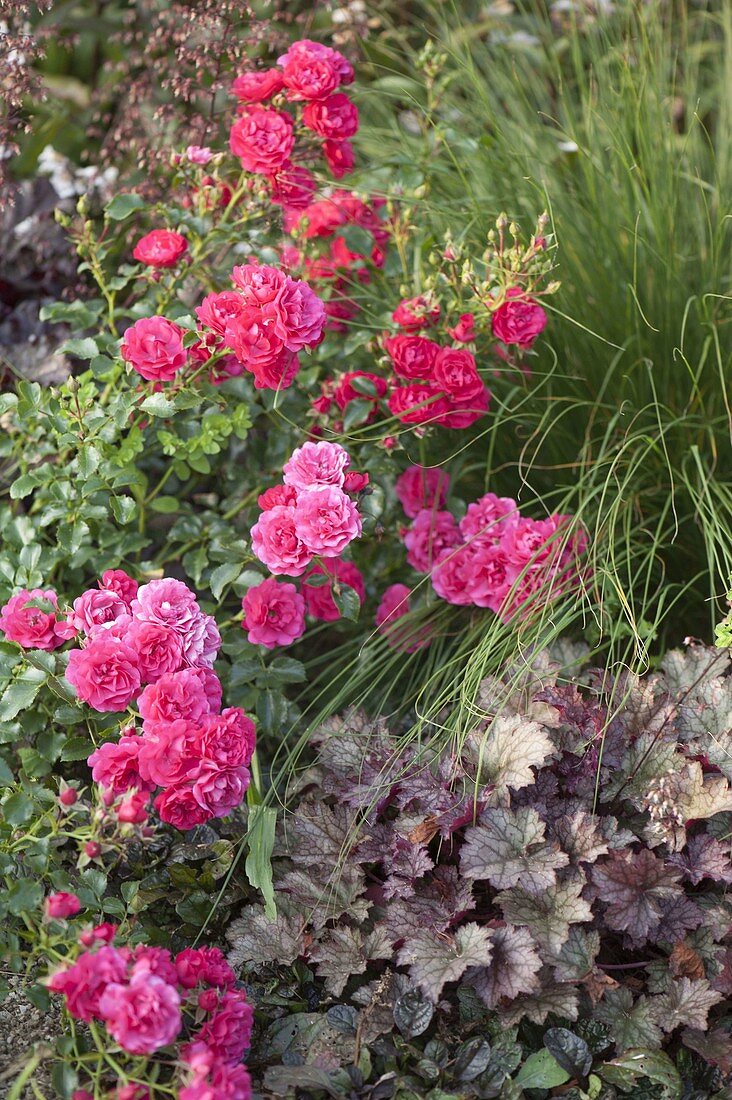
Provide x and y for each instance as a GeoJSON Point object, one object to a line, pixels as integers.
{"type": "Point", "coordinates": [115, 765]}
{"type": "Point", "coordinates": [371, 387]}
{"type": "Point", "coordinates": [177, 806]}
{"type": "Point", "coordinates": [305, 50]}
{"type": "Point", "coordinates": [431, 533]}
{"type": "Point", "coordinates": [278, 494]}
{"type": "Point", "coordinates": [133, 809]}
{"type": "Point", "coordinates": [259, 283]}
{"type": "Point", "coordinates": [319, 600]}
{"type": "Point", "coordinates": [220, 790]}
{"type": "Point", "coordinates": [293, 187]}
{"type": "Point", "coordinates": [464, 330]}
{"type": "Point", "coordinates": [339, 157]}
{"type": "Point", "coordinates": [60, 905]}
{"type": "Point", "coordinates": [203, 966]}
{"type": "Point", "coordinates": [259, 86]}
{"type": "Point", "coordinates": [142, 1015]}
{"type": "Point", "coordinates": [418, 403]}
{"type": "Point", "coordinates": [326, 520]}
{"type": "Point", "coordinates": [229, 1031]}
{"type": "Point", "coordinates": [171, 754]}
{"type": "Point", "coordinates": [29, 618]}
{"type": "Point", "coordinates": [254, 336]}
{"type": "Point", "coordinates": [274, 614]}
{"type": "Point", "coordinates": [300, 315]}
{"type": "Point", "coordinates": [116, 580]}
{"type": "Point", "coordinates": [412, 356]}
{"type": "Point", "coordinates": [413, 314]}
{"type": "Point", "coordinates": [262, 139]}
{"type": "Point", "coordinates": [159, 649]}
{"type": "Point", "coordinates": [519, 320]}
{"type": "Point", "coordinates": [84, 983]}
{"type": "Point", "coordinates": [216, 310]}
{"type": "Point", "coordinates": [276, 543]}
{"type": "Point", "coordinates": [181, 694]}
{"type": "Point", "coordinates": [335, 117]}
{"type": "Point", "coordinates": [160, 248]}
{"type": "Point", "coordinates": [457, 376]}
{"type": "Point", "coordinates": [309, 77]}
{"type": "Point", "coordinates": [154, 347]}
{"type": "Point", "coordinates": [228, 739]}
{"type": "Point", "coordinates": [105, 674]}
{"type": "Point", "coordinates": [420, 488]}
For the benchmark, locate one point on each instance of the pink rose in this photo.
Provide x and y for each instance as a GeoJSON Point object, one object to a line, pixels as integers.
{"type": "Point", "coordinates": [335, 117]}
{"type": "Point", "coordinates": [355, 386]}
{"type": "Point", "coordinates": [490, 581]}
{"type": "Point", "coordinates": [154, 347]}
{"type": "Point", "coordinates": [155, 960]}
{"type": "Point", "coordinates": [159, 649]}
{"type": "Point", "coordinates": [262, 139]}
{"type": "Point", "coordinates": [216, 310]}
{"type": "Point", "coordinates": [326, 520]}
{"type": "Point", "coordinates": [177, 807]}
{"type": "Point", "coordinates": [276, 543]}
{"type": "Point", "coordinates": [486, 519]}
{"type": "Point", "coordinates": [394, 605]}
{"type": "Point", "coordinates": [106, 674]}
{"type": "Point", "coordinates": [143, 1015]}
{"type": "Point", "coordinates": [174, 695]}
{"type": "Point", "coordinates": [115, 766]}
{"type": "Point", "coordinates": [529, 542]}
{"type": "Point", "coordinates": [258, 86]}
{"type": "Point", "coordinates": [461, 412]}
{"type": "Point", "coordinates": [171, 754]}
{"type": "Point", "coordinates": [96, 607]}
{"type": "Point", "coordinates": [277, 373]}
{"type": "Point", "coordinates": [414, 314]}
{"type": "Point", "coordinates": [304, 51]}
{"type": "Point", "coordinates": [229, 1031]}
{"type": "Point", "coordinates": [254, 335]}
{"type": "Point", "coordinates": [431, 533]}
{"type": "Point", "coordinates": [412, 356]}
{"type": "Point", "coordinates": [420, 488]}
{"type": "Point", "coordinates": [198, 154]}
{"type": "Point", "coordinates": [274, 614]}
{"type": "Point", "coordinates": [59, 906]}
{"type": "Point", "coordinates": [452, 575]}
{"type": "Point", "coordinates": [309, 77]}
{"type": "Point", "coordinates": [229, 739]}
{"type": "Point", "coordinates": [300, 315]}
{"type": "Point", "coordinates": [319, 600]}
{"type": "Point", "coordinates": [133, 809]}
{"type": "Point", "coordinates": [464, 331]}
{"type": "Point", "coordinates": [418, 403]}
{"type": "Point", "coordinates": [456, 374]}
{"type": "Point", "coordinates": [203, 966]}
{"type": "Point", "coordinates": [116, 580]}
{"type": "Point", "coordinates": [83, 984]}
{"type": "Point", "coordinates": [339, 157]}
{"type": "Point", "coordinates": [519, 320]}
{"type": "Point", "coordinates": [219, 790]}
{"type": "Point", "coordinates": [278, 494]}
{"type": "Point", "coordinates": [260, 284]}
{"type": "Point", "coordinates": [160, 248]}
{"type": "Point", "coordinates": [29, 618]}
{"type": "Point", "coordinates": [293, 187]}
{"type": "Point", "coordinates": [171, 603]}
{"type": "Point", "coordinates": [316, 464]}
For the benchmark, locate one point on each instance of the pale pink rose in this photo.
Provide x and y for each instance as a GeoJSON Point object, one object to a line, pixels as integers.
{"type": "Point", "coordinates": [159, 649]}
{"type": "Point", "coordinates": [316, 464]}
{"type": "Point", "coordinates": [276, 543]}
{"type": "Point", "coordinates": [154, 347]}
{"type": "Point", "coordinates": [198, 154]}
{"type": "Point", "coordinates": [106, 674]}
{"type": "Point", "coordinates": [431, 532]}
{"type": "Point", "coordinates": [274, 614]}
{"type": "Point", "coordinates": [96, 607]}
{"type": "Point", "coordinates": [115, 765]}
{"type": "Point", "coordinates": [59, 906]}
{"type": "Point", "coordinates": [83, 984]}
{"type": "Point", "coordinates": [143, 1015]}
{"type": "Point", "coordinates": [220, 790]}
{"type": "Point", "coordinates": [228, 739]}
{"type": "Point", "coordinates": [487, 518]}
{"type": "Point", "coordinates": [175, 695]}
{"type": "Point", "coordinates": [29, 618]}
{"type": "Point", "coordinates": [171, 754]}
{"type": "Point", "coordinates": [326, 520]}
{"type": "Point", "coordinates": [420, 488]}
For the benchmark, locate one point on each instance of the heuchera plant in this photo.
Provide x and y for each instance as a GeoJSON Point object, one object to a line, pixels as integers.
{"type": "Point", "coordinates": [566, 865]}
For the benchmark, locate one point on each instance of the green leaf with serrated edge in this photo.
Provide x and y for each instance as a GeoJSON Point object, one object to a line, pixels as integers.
{"type": "Point", "coordinates": [123, 205]}
{"type": "Point", "coordinates": [19, 694]}
{"type": "Point", "coordinates": [157, 404]}
{"type": "Point", "coordinates": [258, 866]}
{"type": "Point", "coordinates": [223, 575]}
{"type": "Point", "coordinates": [347, 601]}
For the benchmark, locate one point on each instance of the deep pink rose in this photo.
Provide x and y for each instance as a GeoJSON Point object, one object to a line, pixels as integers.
{"type": "Point", "coordinates": [326, 520]}
{"type": "Point", "coordinates": [254, 335]}
{"type": "Point", "coordinates": [519, 320]}
{"type": "Point", "coordinates": [216, 310]}
{"type": "Point", "coordinates": [350, 385]}
{"type": "Point", "coordinates": [59, 906]}
{"type": "Point", "coordinates": [300, 315]}
{"type": "Point", "coordinates": [339, 157]}
{"type": "Point", "coordinates": [464, 331]}
{"type": "Point", "coordinates": [305, 50]}
{"type": "Point", "coordinates": [84, 983]}
{"type": "Point", "coordinates": [116, 580]}
{"type": "Point", "coordinates": [34, 627]}
{"type": "Point", "coordinates": [319, 600]}
{"type": "Point", "coordinates": [106, 674]}
{"type": "Point", "coordinates": [228, 739]}
{"type": "Point", "coordinates": [278, 494]}
{"type": "Point", "coordinates": [159, 649]}
{"type": "Point", "coordinates": [133, 809]}
{"type": "Point", "coordinates": [171, 754]}
{"type": "Point", "coordinates": [431, 533]}
{"type": "Point", "coordinates": [293, 186]}
{"type": "Point", "coordinates": [177, 806]}
{"type": "Point", "coordinates": [203, 966]}
{"type": "Point", "coordinates": [259, 86]}
{"type": "Point", "coordinates": [96, 607]}
{"type": "Point", "coordinates": [229, 1031]}
{"type": "Point", "coordinates": [463, 411]}
{"type": "Point", "coordinates": [155, 960]}
{"type": "Point", "coordinates": [276, 543]}
{"type": "Point", "coordinates": [394, 605]}
{"type": "Point", "coordinates": [260, 284]}
{"type": "Point", "coordinates": [160, 248]}
{"type": "Point", "coordinates": [412, 356]}
{"type": "Point", "coordinates": [418, 403]}
{"type": "Point", "coordinates": [420, 488]}
{"type": "Point", "coordinates": [142, 1015]}
{"type": "Point", "coordinates": [529, 542]}
{"type": "Point", "coordinates": [335, 117]}
{"type": "Point", "coordinates": [220, 790]}
{"type": "Point", "coordinates": [414, 314]}
{"type": "Point", "coordinates": [262, 139]}
{"type": "Point", "coordinates": [277, 373]}
{"type": "Point", "coordinates": [175, 695]}
{"type": "Point", "coordinates": [274, 614]}
{"type": "Point", "coordinates": [452, 575]}
{"type": "Point", "coordinates": [154, 347]}
{"type": "Point", "coordinates": [115, 765]}
{"type": "Point", "coordinates": [316, 464]}
{"type": "Point", "coordinates": [309, 77]}
{"type": "Point", "coordinates": [486, 519]}
{"type": "Point", "coordinates": [457, 376]}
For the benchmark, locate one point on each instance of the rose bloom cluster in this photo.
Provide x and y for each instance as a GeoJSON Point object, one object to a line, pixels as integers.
{"type": "Point", "coordinates": [146, 997]}
{"type": "Point", "coordinates": [494, 557]}
{"type": "Point", "coordinates": [312, 514]}
{"type": "Point", "coordinates": [308, 104]}
{"type": "Point", "coordinates": [261, 326]}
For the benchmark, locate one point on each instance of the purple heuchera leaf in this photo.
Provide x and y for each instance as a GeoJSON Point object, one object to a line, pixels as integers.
{"type": "Point", "coordinates": [633, 885]}
{"type": "Point", "coordinates": [686, 1002]}
{"type": "Point", "coordinates": [437, 958]}
{"type": "Point", "coordinates": [631, 1023]}
{"type": "Point", "coordinates": [549, 913]}
{"type": "Point", "coordinates": [508, 848]}
{"type": "Point", "coordinates": [513, 967]}
{"type": "Point", "coordinates": [704, 858]}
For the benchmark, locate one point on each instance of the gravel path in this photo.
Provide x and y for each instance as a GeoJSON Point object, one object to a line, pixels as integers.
{"type": "Point", "coordinates": [24, 1029]}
